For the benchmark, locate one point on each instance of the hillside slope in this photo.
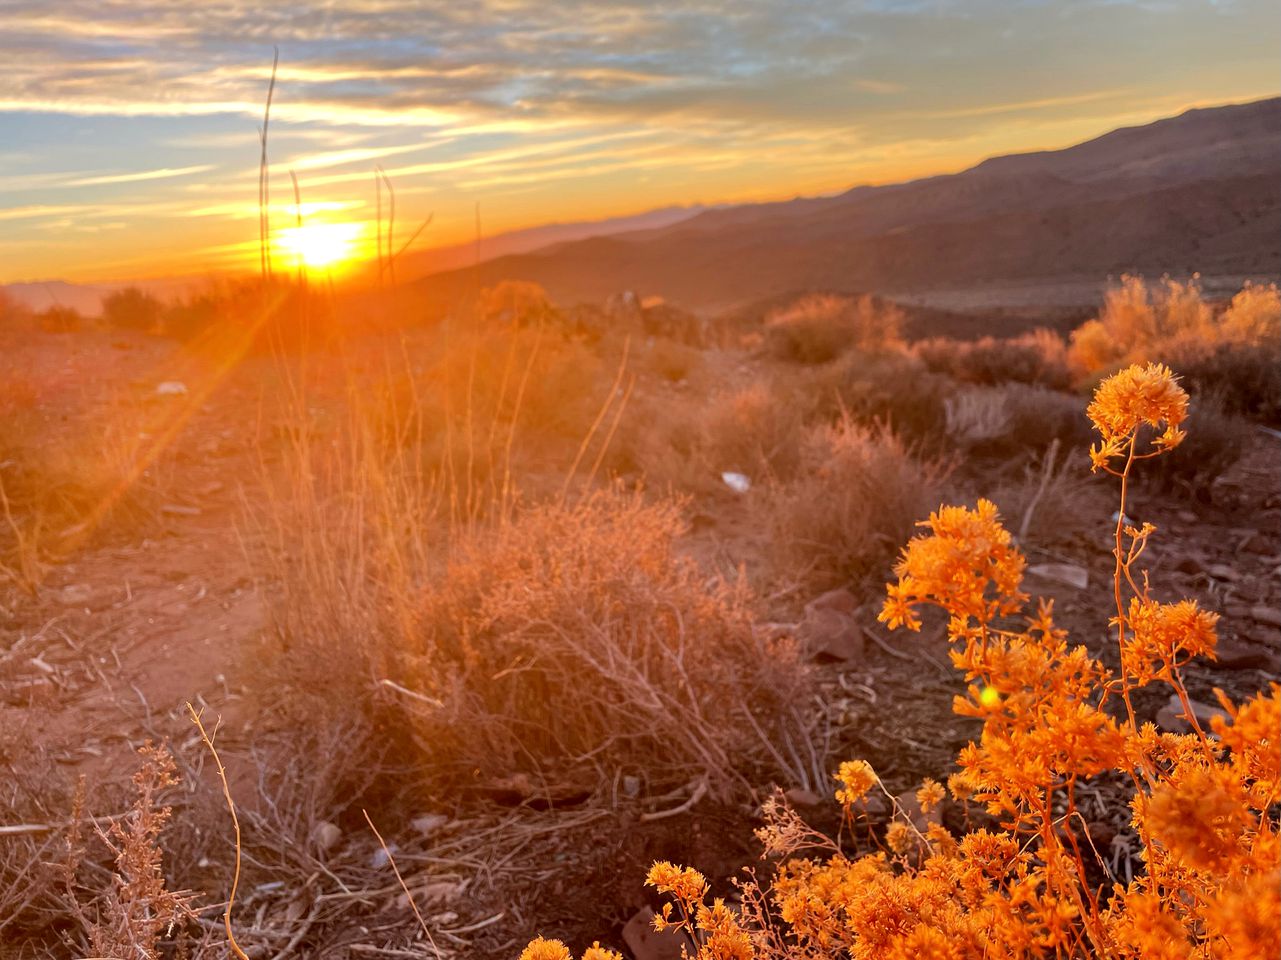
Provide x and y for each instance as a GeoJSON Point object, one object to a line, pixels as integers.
{"type": "Point", "coordinates": [1200, 191]}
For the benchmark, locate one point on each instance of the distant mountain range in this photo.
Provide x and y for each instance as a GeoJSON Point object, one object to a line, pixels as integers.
{"type": "Point", "coordinates": [1196, 192]}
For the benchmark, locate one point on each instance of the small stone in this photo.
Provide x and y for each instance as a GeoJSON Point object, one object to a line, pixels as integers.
{"type": "Point", "coordinates": [1069, 574]}
{"type": "Point", "coordinates": [1236, 655]}
{"type": "Point", "coordinates": [429, 823]}
{"type": "Point", "coordinates": [1221, 571]}
{"type": "Point", "coordinates": [1251, 589]}
{"type": "Point", "coordinates": [171, 388]}
{"type": "Point", "coordinates": [1261, 613]}
{"type": "Point", "coordinates": [1187, 516]}
{"type": "Point", "coordinates": [75, 594]}
{"type": "Point", "coordinates": [1171, 718]}
{"type": "Point", "coordinates": [830, 630]}
{"type": "Point", "coordinates": [179, 510]}
{"type": "Point", "coordinates": [802, 798]}
{"type": "Point", "coordinates": [646, 943]}
{"type": "Point", "coordinates": [1260, 544]}
{"type": "Point", "coordinates": [325, 836]}
{"type": "Point", "coordinates": [911, 808]}
{"type": "Point", "coordinates": [631, 787]}
{"type": "Point", "coordinates": [1190, 565]}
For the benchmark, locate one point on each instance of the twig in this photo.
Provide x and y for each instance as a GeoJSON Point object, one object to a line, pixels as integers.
{"type": "Point", "coordinates": [235, 822]}
{"type": "Point", "coordinates": [264, 186]}
{"type": "Point", "coordinates": [393, 685]}
{"type": "Point", "coordinates": [413, 905]}
{"type": "Point", "coordinates": [699, 792]}
{"type": "Point", "coordinates": [1047, 471]}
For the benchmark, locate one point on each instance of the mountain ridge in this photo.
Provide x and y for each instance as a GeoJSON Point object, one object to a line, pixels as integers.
{"type": "Point", "coordinates": [1200, 191]}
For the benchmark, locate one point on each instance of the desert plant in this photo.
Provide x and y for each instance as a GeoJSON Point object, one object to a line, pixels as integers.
{"type": "Point", "coordinates": [820, 327]}
{"type": "Point", "coordinates": [594, 598]}
{"type": "Point", "coordinates": [1055, 720]}
{"type": "Point", "coordinates": [130, 916]}
{"type": "Point", "coordinates": [58, 319]}
{"type": "Point", "coordinates": [1039, 357]}
{"type": "Point", "coordinates": [132, 309]}
{"type": "Point", "coordinates": [891, 387]}
{"type": "Point", "coordinates": [852, 498]}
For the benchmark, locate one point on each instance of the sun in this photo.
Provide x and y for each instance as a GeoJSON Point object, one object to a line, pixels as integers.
{"type": "Point", "coordinates": [321, 245]}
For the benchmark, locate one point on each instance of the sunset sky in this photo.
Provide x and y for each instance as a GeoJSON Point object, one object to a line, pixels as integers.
{"type": "Point", "coordinates": [128, 130]}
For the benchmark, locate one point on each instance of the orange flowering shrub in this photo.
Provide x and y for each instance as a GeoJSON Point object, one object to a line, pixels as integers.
{"type": "Point", "coordinates": [1204, 804]}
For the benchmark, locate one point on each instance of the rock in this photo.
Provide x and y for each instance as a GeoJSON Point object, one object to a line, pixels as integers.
{"type": "Point", "coordinates": [325, 836]}
{"type": "Point", "coordinates": [802, 798]}
{"type": "Point", "coordinates": [1236, 655]}
{"type": "Point", "coordinates": [1187, 516]}
{"type": "Point", "coordinates": [631, 787]}
{"type": "Point", "coordinates": [646, 943]}
{"type": "Point", "coordinates": [1066, 573]}
{"type": "Point", "coordinates": [75, 594]}
{"type": "Point", "coordinates": [179, 510]}
{"type": "Point", "coordinates": [1221, 571]}
{"type": "Point", "coordinates": [1261, 613]}
{"type": "Point", "coordinates": [829, 630]}
{"type": "Point", "coordinates": [1251, 589]}
{"type": "Point", "coordinates": [739, 483]}
{"type": "Point", "coordinates": [1190, 565]}
{"type": "Point", "coordinates": [1259, 543]}
{"type": "Point", "coordinates": [840, 600]}
{"type": "Point", "coordinates": [1170, 717]}
{"type": "Point", "coordinates": [911, 808]}
{"type": "Point", "coordinates": [429, 823]}
{"type": "Point", "coordinates": [171, 388]}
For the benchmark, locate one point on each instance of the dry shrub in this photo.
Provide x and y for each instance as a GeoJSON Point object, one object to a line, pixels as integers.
{"type": "Point", "coordinates": [558, 647]}
{"type": "Point", "coordinates": [1058, 725]}
{"type": "Point", "coordinates": [129, 917]}
{"type": "Point", "coordinates": [891, 387]}
{"type": "Point", "coordinates": [755, 431]}
{"type": "Point", "coordinates": [515, 303]}
{"type": "Point", "coordinates": [855, 496]}
{"type": "Point", "coordinates": [820, 327]}
{"type": "Point", "coordinates": [1235, 353]}
{"type": "Point", "coordinates": [1243, 379]}
{"type": "Point", "coordinates": [673, 361]}
{"type": "Point", "coordinates": [976, 416]}
{"type": "Point", "coordinates": [1039, 357]}
{"type": "Point", "coordinates": [576, 642]}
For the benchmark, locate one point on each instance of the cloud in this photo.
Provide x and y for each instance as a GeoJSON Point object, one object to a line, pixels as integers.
{"type": "Point", "coordinates": [164, 173]}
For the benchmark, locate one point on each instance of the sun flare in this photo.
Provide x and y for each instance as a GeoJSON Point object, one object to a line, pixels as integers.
{"type": "Point", "coordinates": [322, 245]}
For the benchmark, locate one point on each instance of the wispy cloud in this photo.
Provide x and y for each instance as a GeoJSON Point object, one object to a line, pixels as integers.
{"type": "Point", "coordinates": [164, 173]}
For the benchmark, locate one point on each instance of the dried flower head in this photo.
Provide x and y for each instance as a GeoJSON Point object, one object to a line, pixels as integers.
{"type": "Point", "coordinates": [856, 778]}
{"type": "Point", "coordinates": [540, 949]}
{"type": "Point", "coordinates": [899, 837]}
{"type": "Point", "coordinates": [930, 795]}
{"type": "Point", "coordinates": [1137, 396]}
{"type": "Point", "coordinates": [683, 883]}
